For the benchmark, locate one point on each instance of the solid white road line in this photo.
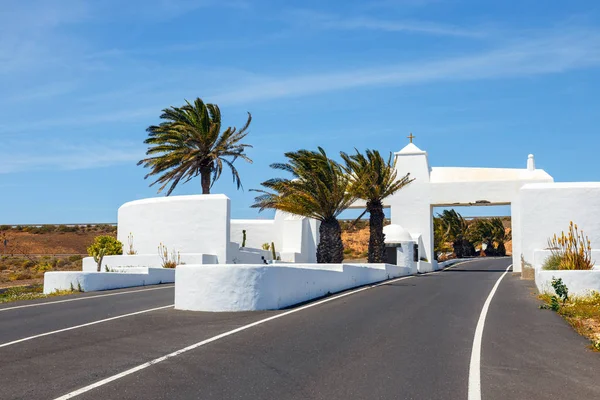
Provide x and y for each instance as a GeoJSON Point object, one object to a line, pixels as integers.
{"type": "Point", "coordinates": [475, 365]}
{"type": "Point", "coordinates": [85, 298]}
{"type": "Point", "coordinates": [82, 325]}
{"type": "Point", "coordinates": [228, 333]}
{"type": "Point", "coordinates": [221, 336]}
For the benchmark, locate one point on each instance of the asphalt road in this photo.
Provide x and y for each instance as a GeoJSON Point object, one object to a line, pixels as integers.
{"type": "Point", "coordinates": [409, 339]}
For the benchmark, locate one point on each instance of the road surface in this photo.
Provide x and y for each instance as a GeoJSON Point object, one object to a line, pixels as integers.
{"type": "Point", "coordinates": [407, 339]}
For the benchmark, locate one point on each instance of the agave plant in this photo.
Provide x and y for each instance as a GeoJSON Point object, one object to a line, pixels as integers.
{"type": "Point", "coordinates": [317, 188]}
{"type": "Point", "coordinates": [373, 179]}
{"type": "Point", "coordinates": [190, 143]}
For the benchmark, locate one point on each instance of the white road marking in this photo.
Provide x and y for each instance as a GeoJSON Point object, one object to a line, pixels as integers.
{"type": "Point", "coordinates": [82, 326]}
{"type": "Point", "coordinates": [225, 334]}
{"type": "Point", "coordinates": [220, 336]}
{"type": "Point", "coordinates": [85, 298]}
{"type": "Point", "coordinates": [475, 365]}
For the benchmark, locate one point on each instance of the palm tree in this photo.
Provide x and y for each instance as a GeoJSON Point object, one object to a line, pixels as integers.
{"type": "Point", "coordinates": [439, 238]}
{"type": "Point", "coordinates": [373, 179]}
{"type": "Point", "coordinates": [190, 143]}
{"type": "Point", "coordinates": [457, 232]}
{"type": "Point", "coordinates": [501, 235]}
{"type": "Point", "coordinates": [490, 231]}
{"type": "Point", "coordinates": [481, 230]}
{"type": "Point", "coordinates": [318, 189]}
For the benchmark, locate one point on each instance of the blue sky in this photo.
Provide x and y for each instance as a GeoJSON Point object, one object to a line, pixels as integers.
{"type": "Point", "coordinates": [479, 84]}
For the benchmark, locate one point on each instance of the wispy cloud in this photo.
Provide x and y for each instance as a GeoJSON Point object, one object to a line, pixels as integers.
{"type": "Point", "coordinates": [67, 156]}
{"type": "Point", "coordinates": [330, 21]}
{"type": "Point", "coordinates": [79, 120]}
{"type": "Point", "coordinates": [543, 55]}
{"type": "Point", "coordinates": [546, 53]}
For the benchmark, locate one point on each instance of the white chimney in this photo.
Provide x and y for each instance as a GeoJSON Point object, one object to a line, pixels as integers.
{"type": "Point", "coordinates": [531, 163]}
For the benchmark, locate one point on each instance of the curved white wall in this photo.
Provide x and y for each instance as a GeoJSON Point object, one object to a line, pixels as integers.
{"type": "Point", "coordinates": [187, 224]}
{"type": "Point", "coordinates": [255, 287]}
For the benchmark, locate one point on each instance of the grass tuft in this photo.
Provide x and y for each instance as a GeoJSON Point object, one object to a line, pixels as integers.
{"type": "Point", "coordinates": [29, 293]}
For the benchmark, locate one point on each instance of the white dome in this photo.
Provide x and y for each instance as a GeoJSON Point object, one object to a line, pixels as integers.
{"type": "Point", "coordinates": [395, 234]}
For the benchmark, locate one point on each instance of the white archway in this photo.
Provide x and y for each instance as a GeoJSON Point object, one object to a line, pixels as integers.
{"type": "Point", "coordinates": [412, 206]}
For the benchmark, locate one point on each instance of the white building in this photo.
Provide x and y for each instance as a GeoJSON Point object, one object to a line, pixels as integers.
{"type": "Point", "coordinates": [412, 206]}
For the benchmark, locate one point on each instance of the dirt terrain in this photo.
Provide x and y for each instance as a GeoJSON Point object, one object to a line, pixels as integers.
{"type": "Point", "coordinates": [51, 240]}
{"type": "Point", "coordinates": [27, 252]}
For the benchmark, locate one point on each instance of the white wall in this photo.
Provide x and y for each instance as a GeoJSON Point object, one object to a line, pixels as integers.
{"type": "Point", "coordinates": [295, 237]}
{"type": "Point", "coordinates": [188, 224]}
{"type": "Point", "coordinates": [94, 281]}
{"type": "Point", "coordinates": [405, 257]}
{"type": "Point", "coordinates": [255, 287]}
{"type": "Point", "coordinates": [258, 232]}
{"type": "Point", "coordinates": [548, 208]}
{"type": "Point", "coordinates": [145, 260]}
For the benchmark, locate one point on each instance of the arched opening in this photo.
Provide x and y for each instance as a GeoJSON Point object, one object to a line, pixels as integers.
{"type": "Point", "coordinates": [461, 231]}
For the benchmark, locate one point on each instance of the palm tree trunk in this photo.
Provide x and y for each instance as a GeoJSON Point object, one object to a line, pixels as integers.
{"type": "Point", "coordinates": [330, 248]}
{"type": "Point", "coordinates": [376, 252]}
{"type": "Point", "coordinates": [501, 250]}
{"type": "Point", "coordinates": [205, 179]}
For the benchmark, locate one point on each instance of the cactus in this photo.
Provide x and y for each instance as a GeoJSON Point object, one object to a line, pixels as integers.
{"type": "Point", "coordinates": [273, 251]}
{"type": "Point", "coordinates": [98, 256]}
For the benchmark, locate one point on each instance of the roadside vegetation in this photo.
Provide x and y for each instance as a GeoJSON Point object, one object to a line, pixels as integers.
{"type": "Point", "coordinates": [581, 312]}
{"type": "Point", "coordinates": [29, 293]}
{"type": "Point", "coordinates": [570, 251]}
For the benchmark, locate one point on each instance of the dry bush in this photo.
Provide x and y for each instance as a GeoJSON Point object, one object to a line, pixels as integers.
{"type": "Point", "coordinates": [572, 251]}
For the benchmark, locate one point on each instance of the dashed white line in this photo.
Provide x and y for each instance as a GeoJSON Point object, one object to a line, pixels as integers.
{"type": "Point", "coordinates": [215, 338]}
{"type": "Point", "coordinates": [82, 326]}
{"type": "Point", "coordinates": [475, 365]}
{"type": "Point", "coordinates": [85, 298]}
{"type": "Point", "coordinates": [225, 334]}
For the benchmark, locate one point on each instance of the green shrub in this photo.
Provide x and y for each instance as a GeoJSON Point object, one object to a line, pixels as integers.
{"type": "Point", "coordinates": [104, 246]}
{"type": "Point", "coordinates": [560, 289]}
{"type": "Point", "coordinates": [110, 244]}
{"type": "Point", "coordinates": [43, 267]}
{"type": "Point", "coordinates": [552, 262]}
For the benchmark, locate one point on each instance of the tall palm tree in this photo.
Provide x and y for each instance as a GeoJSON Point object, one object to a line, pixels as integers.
{"type": "Point", "coordinates": [373, 179]}
{"type": "Point", "coordinates": [318, 189]}
{"type": "Point", "coordinates": [190, 143]}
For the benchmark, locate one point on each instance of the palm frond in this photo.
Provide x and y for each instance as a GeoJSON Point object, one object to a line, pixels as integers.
{"type": "Point", "coordinates": [318, 187]}
{"type": "Point", "coordinates": [189, 142]}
